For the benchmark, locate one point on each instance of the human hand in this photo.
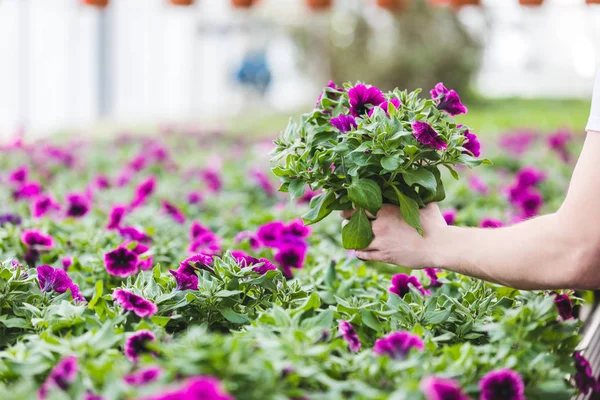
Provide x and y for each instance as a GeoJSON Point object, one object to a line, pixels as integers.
{"type": "Point", "coordinates": [396, 242]}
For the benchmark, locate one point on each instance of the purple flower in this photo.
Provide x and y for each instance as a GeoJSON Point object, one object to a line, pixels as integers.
{"type": "Point", "coordinates": [385, 106]}
{"type": "Point", "coordinates": [43, 205]}
{"type": "Point", "coordinates": [530, 202]}
{"type": "Point", "coordinates": [266, 266]}
{"type": "Point", "coordinates": [137, 344]}
{"type": "Point", "coordinates": [54, 279]}
{"type": "Point", "coordinates": [132, 302]}
{"type": "Point", "coordinates": [115, 217]}
{"type": "Point", "coordinates": [252, 240]}
{"type": "Point", "coordinates": [131, 233]}
{"type": "Point", "coordinates": [563, 305]}
{"type": "Point", "coordinates": [145, 263]}
{"type": "Point", "coordinates": [449, 215]}
{"type": "Point", "coordinates": [349, 335]}
{"type": "Point", "coordinates": [427, 136]}
{"type": "Point", "coordinates": [143, 376]}
{"type": "Point", "coordinates": [584, 378]}
{"type": "Point", "coordinates": [502, 384]}
{"type": "Point", "coordinates": [472, 144]}
{"type": "Point", "coordinates": [66, 263]}
{"type": "Point", "coordinates": [92, 396]}
{"type": "Point", "coordinates": [478, 185]}
{"type": "Point", "coordinates": [37, 240]}
{"type": "Point", "coordinates": [62, 376]}
{"type": "Point", "coordinates": [143, 191]}
{"type": "Point", "coordinates": [263, 181]}
{"type": "Point", "coordinates": [518, 142]}
{"type": "Point", "coordinates": [27, 191]}
{"type": "Point", "coordinates": [397, 344]}
{"type": "Point", "coordinates": [331, 85]}
{"type": "Point", "coordinates": [529, 176]}
{"type": "Point", "coordinates": [270, 234]}
{"type": "Point", "coordinates": [447, 100]}
{"type": "Point", "coordinates": [432, 275]}
{"type": "Point", "coordinates": [206, 243]}
{"type": "Point", "coordinates": [308, 195]}
{"type": "Point", "coordinates": [171, 210]}
{"type": "Point", "coordinates": [102, 182]}
{"type": "Point", "coordinates": [344, 123]}
{"type": "Point", "coordinates": [197, 230]}
{"type": "Point", "coordinates": [121, 262]}
{"type": "Point", "coordinates": [558, 143]}
{"type": "Point", "coordinates": [291, 255]}
{"type": "Point", "coordinates": [362, 96]}
{"type": "Point", "coordinates": [194, 198]}
{"type": "Point", "coordinates": [198, 261]}
{"type": "Point", "coordinates": [490, 223]}
{"type": "Point", "coordinates": [19, 175]}
{"type": "Point", "coordinates": [77, 205]}
{"type": "Point", "coordinates": [13, 219]}
{"type": "Point", "coordinates": [436, 388]}
{"type": "Point", "coordinates": [296, 229]}
{"type": "Point", "coordinates": [201, 387]}
{"type": "Point", "coordinates": [185, 281]}
{"type": "Point", "coordinates": [245, 260]}
{"type": "Point", "coordinates": [212, 179]}
{"type": "Point", "coordinates": [400, 284]}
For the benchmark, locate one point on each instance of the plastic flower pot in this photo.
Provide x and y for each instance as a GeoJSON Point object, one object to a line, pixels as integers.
{"type": "Point", "coordinates": [96, 3]}
{"type": "Point", "coordinates": [393, 5]}
{"type": "Point", "coordinates": [242, 3]}
{"type": "Point", "coordinates": [461, 3]}
{"type": "Point", "coordinates": [592, 2]}
{"type": "Point", "coordinates": [319, 4]}
{"type": "Point", "coordinates": [531, 2]}
{"type": "Point", "coordinates": [182, 2]}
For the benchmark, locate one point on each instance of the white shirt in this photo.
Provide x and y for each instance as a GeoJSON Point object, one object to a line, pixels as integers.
{"type": "Point", "coordinates": [594, 121]}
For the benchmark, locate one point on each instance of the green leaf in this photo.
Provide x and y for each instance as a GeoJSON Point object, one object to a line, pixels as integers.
{"type": "Point", "coordinates": [227, 293]}
{"type": "Point", "coordinates": [435, 317]}
{"type": "Point", "coordinates": [296, 188]}
{"type": "Point", "coordinates": [390, 163]}
{"type": "Point", "coordinates": [357, 233]}
{"type": "Point", "coordinates": [319, 208]}
{"type": "Point", "coordinates": [409, 210]}
{"type": "Point", "coordinates": [322, 320]}
{"type": "Point", "coordinates": [234, 317]}
{"type": "Point", "coordinates": [371, 320]}
{"type": "Point", "coordinates": [366, 193]}
{"type": "Point", "coordinates": [420, 177]}
{"type": "Point", "coordinates": [97, 294]}
{"type": "Point", "coordinates": [160, 321]}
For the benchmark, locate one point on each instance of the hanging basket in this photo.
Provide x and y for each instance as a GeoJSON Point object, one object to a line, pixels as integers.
{"type": "Point", "coordinates": [96, 3]}
{"type": "Point", "coordinates": [461, 3]}
{"type": "Point", "coordinates": [531, 2]}
{"type": "Point", "coordinates": [319, 5]}
{"type": "Point", "coordinates": [242, 3]}
{"type": "Point", "coordinates": [181, 2]}
{"type": "Point", "coordinates": [393, 5]}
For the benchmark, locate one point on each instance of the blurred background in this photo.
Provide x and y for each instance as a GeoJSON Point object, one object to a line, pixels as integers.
{"type": "Point", "coordinates": [91, 67]}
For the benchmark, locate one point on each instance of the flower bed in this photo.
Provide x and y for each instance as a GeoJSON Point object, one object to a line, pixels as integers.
{"type": "Point", "coordinates": [169, 267]}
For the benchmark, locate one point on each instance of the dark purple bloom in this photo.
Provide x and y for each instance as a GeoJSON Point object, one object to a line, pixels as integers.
{"type": "Point", "coordinates": [478, 185]}
{"type": "Point", "coordinates": [198, 230]}
{"type": "Point", "coordinates": [143, 376]}
{"type": "Point", "coordinates": [385, 106]}
{"type": "Point", "coordinates": [529, 176]}
{"type": "Point", "coordinates": [131, 233]}
{"type": "Point", "coordinates": [66, 263]}
{"type": "Point", "coordinates": [472, 143]}
{"type": "Point", "coordinates": [102, 182]}
{"type": "Point", "coordinates": [344, 123]}
{"type": "Point", "coordinates": [62, 376]}
{"type": "Point", "coordinates": [397, 344]}
{"type": "Point", "coordinates": [296, 229]}
{"type": "Point", "coordinates": [137, 344]}
{"type": "Point", "coordinates": [349, 335]}
{"type": "Point", "coordinates": [252, 240]}
{"type": "Point", "coordinates": [37, 240]}
{"type": "Point", "coordinates": [77, 205]}
{"type": "Point", "coordinates": [331, 85]}
{"type": "Point", "coordinates": [115, 217]}
{"type": "Point", "coordinates": [362, 96]}
{"type": "Point", "coordinates": [206, 243]}
{"type": "Point", "coordinates": [245, 260]}
{"type": "Point", "coordinates": [426, 135]}
{"type": "Point", "coordinates": [57, 280]}
{"type": "Point", "coordinates": [270, 234]}
{"type": "Point", "coordinates": [132, 302]}
{"type": "Point", "coordinates": [185, 281]}
{"type": "Point", "coordinates": [263, 181]}
{"type": "Point", "coordinates": [212, 179]}
{"type": "Point", "coordinates": [449, 215]}
{"type": "Point", "coordinates": [194, 198]}
{"type": "Point", "coordinates": [400, 284]}
{"type": "Point", "coordinates": [502, 384]}
{"type": "Point", "coordinates": [266, 266]}
{"type": "Point", "coordinates": [171, 210]}
{"type": "Point", "coordinates": [13, 219]}
{"type": "Point", "coordinates": [291, 255]}
{"type": "Point", "coordinates": [143, 191]}
{"type": "Point", "coordinates": [530, 202]}
{"type": "Point", "coordinates": [432, 275]}
{"type": "Point", "coordinates": [198, 261]}
{"type": "Point", "coordinates": [31, 256]}
{"type": "Point", "coordinates": [19, 175]}
{"type": "Point", "coordinates": [558, 143]}
{"type": "Point", "coordinates": [92, 396]}
{"type": "Point", "coordinates": [490, 223]}
{"type": "Point", "coordinates": [43, 205]}
{"type": "Point", "coordinates": [563, 305]}
{"type": "Point", "coordinates": [121, 262]}
{"type": "Point", "coordinates": [447, 100]}
{"type": "Point", "coordinates": [145, 263]}
{"type": "Point", "coordinates": [27, 191]}
{"type": "Point", "coordinates": [138, 163]}
{"type": "Point", "coordinates": [201, 387]}
{"type": "Point", "coordinates": [436, 388]}
{"type": "Point", "coordinates": [584, 378]}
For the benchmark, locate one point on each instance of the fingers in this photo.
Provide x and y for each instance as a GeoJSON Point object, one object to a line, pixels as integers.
{"type": "Point", "coordinates": [347, 214]}
{"type": "Point", "coordinates": [364, 255]}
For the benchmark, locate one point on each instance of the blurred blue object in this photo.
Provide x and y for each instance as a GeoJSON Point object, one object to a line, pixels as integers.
{"type": "Point", "coordinates": [254, 71]}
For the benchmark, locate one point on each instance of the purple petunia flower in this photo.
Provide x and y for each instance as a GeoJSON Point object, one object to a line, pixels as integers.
{"type": "Point", "coordinates": [262, 181]}
{"type": "Point", "coordinates": [478, 185]}
{"type": "Point", "coordinates": [331, 85]}
{"type": "Point", "coordinates": [308, 195]}
{"type": "Point", "coordinates": [9, 218]}
{"type": "Point", "coordinates": [558, 143]}
{"type": "Point", "coordinates": [19, 175]}
{"type": "Point", "coordinates": [397, 344]}
{"type": "Point", "coordinates": [77, 205]}
{"type": "Point", "coordinates": [121, 262]}
{"type": "Point", "coordinates": [43, 205]}
{"type": "Point", "coordinates": [27, 191]}
{"type": "Point", "coordinates": [502, 384]}
{"type": "Point", "coordinates": [426, 135]}
{"type": "Point", "coordinates": [472, 143]}
{"type": "Point", "coordinates": [266, 266]}
{"type": "Point", "coordinates": [143, 191]}
{"type": "Point", "coordinates": [518, 142]}
{"type": "Point", "coordinates": [252, 240]}
{"type": "Point", "coordinates": [563, 305]}
{"type": "Point", "coordinates": [447, 100]}
{"type": "Point", "coordinates": [385, 106]}
{"type": "Point", "coordinates": [291, 255]}
{"type": "Point", "coordinates": [37, 240]}
{"type": "Point", "coordinates": [212, 179]}
{"type": "Point", "coordinates": [171, 210]}
{"type": "Point", "coordinates": [245, 260]}
{"type": "Point", "coordinates": [143, 376]}
{"type": "Point", "coordinates": [344, 123]}
{"type": "Point", "coordinates": [137, 344]}
{"type": "Point", "coordinates": [184, 280]}
{"type": "Point", "coordinates": [102, 182]}
{"type": "Point", "coordinates": [197, 230]}
{"type": "Point", "coordinates": [490, 223]}
{"type": "Point", "coordinates": [57, 280]}
{"type": "Point", "coordinates": [62, 376]}
{"type": "Point", "coordinates": [296, 229]}
{"type": "Point", "coordinates": [206, 243]}
{"type": "Point", "coordinates": [201, 387]}
{"type": "Point", "coordinates": [92, 396]}
{"type": "Point", "coordinates": [270, 233]}
{"type": "Point", "coordinates": [436, 388]}
{"type": "Point", "coordinates": [131, 233]}
{"type": "Point", "coordinates": [584, 378]}
{"type": "Point", "coordinates": [349, 335]}
{"type": "Point", "coordinates": [362, 96]}
{"type": "Point", "coordinates": [194, 198]}
{"type": "Point", "coordinates": [132, 302]}
{"type": "Point", "coordinates": [529, 176]}
{"type": "Point", "coordinates": [400, 284]}
{"type": "Point", "coordinates": [530, 201]}
{"type": "Point", "coordinates": [449, 215]}
{"type": "Point", "coordinates": [116, 216]}
{"type": "Point", "coordinates": [432, 275]}
{"type": "Point", "coordinates": [197, 261]}
{"type": "Point", "coordinates": [66, 262]}
{"type": "Point", "coordinates": [145, 263]}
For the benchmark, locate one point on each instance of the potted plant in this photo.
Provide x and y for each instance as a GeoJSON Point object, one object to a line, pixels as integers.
{"type": "Point", "coordinates": [242, 3]}
{"type": "Point", "coordinates": [182, 2]}
{"type": "Point", "coordinates": [96, 3]}
{"type": "Point", "coordinates": [531, 2]}
{"type": "Point", "coordinates": [319, 4]}
{"type": "Point", "coordinates": [460, 3]}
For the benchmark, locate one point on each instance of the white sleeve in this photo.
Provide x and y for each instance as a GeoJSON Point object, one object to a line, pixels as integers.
{"type": "Point", "coordinates": [594, 121]}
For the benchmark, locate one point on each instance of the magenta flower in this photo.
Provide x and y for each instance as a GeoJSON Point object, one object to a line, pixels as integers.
{"type": "Point", "coordinates": [397, 344]}
{"type": "Point", "coordinates": [116, 216]}
{"type": "Point", "coordinates": [436, 388]}
{"type": "Point", "coordinates": [530, 202]}
{"type": "Point", "coordinates": [291, 255]}
{"type": "Point", "coordinates": [57, 280]}
{"type": "Point", "coordinates": [247, 235]}
{"type": "Point", "coordinates": [308, 195]}
{"type": "Point", "coordinates": [137, 344]}
{"type": "Point", "coordinates": [266, 266]}
{"type": "Point", "coordinates": [19, 175]}
{"type": "Point", "coordinates": [66, 263]}
{"type": "Point", "coordinates": [400, 284]}
{"type": "Point", "coordinates": [132, 302]}
{"type": "Point", "coordinates": [344, 123]}
{"type": "Point", "coordinates": [584, 377]}
{"type": "Point", "coordinates": [518, 142]}
{"type": "Point", "coordinates": [143, 191]}
{"type": "Point", "coordinates": [27, 191]}
{"type": "Point", "coordinates": [143, 376]}
{"type": "Point", "coordinates": [385, 106]}
{"type": "Point", "coordinates": [212, 179]}
{"type": "Point", "coordinates": [447, 100]}
{"type": "Point", "coordinates": [270, 233]}
{"type": "Point", "coordinates": [362, 96]}
{"type": "Point", "coordinates": [62, 376]}
{"type": "Point", "coordinates": [171, 210]}
{"type": "Point", "coordinates": [185, 280]}
{"type": "Point", "coordinates": [138, 163]}
{"type": "Point", "coordinates": [77, 205]}
{"type": "Point", "coordinates": [43, 205]}
{"type": "Point", "coordinates": [197, 261]}
{"type": "Point", "coordinates": [502, 384]}
{"type": "Point", "coordinates": [37, 240]}
{"type": "Point", "coordinates": [472, 143]}
{"type": "Point", "coordinates": [490, 223]}
{"type": "Point", "coordinates": [92, 396]}
{"type": "Point", "coordinates": [349, 335]}
{"type": "Point", "coordinates": [296, 229]}
{"type": "Point", "coordinates": [558, 143]}
{"type": "Point", "coordinates": [121, 262]}
{"type": "Point", "coordinates": [194, 198]}
{"type": "Point", "coordinates": [449, 215]}
{"type": "Point", "coordinates": [102, 182]}
{"type": "Point", "coordinates": [426, 135]}
{"type": "Point", "coordinates": [206, 243]}
{"type": "Point", "coordinates": [145, 263]}
{"type": "Point", "coordinates": [529, 176]}
{"type": "Point", "coordinates": [478, 185]}
{"type": "Point", "coordinates": [262, 181]}
{"type": "Point", "coordinates": [10, 218]}
{"type": "Point", "coordinates": [260, 266]}
{"type": "Point", "coordinates": [131, 233]}
{"type": "Point", "coordinates": [197, 230]}
{"type": "Point", "coordinates": [432, 275]}
{"type": "Point", "coordinates": [331, 85]}
{"type": "Point", "coordinates": [201, 387]}
{"type": "Point", "coordinates": [563, 305]}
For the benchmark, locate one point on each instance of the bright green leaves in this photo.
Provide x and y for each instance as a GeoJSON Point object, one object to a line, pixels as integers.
{"type": "Point", "coordinates": [409, 210]}
{"type": "Point", "coordinates": [357, 233]}
{"type": "Point", "coordinates": [319, 208]}
{"type": "Point", "coordinates": [420, 177]}
{"type": "Point", "coordinates": [365, 193]}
